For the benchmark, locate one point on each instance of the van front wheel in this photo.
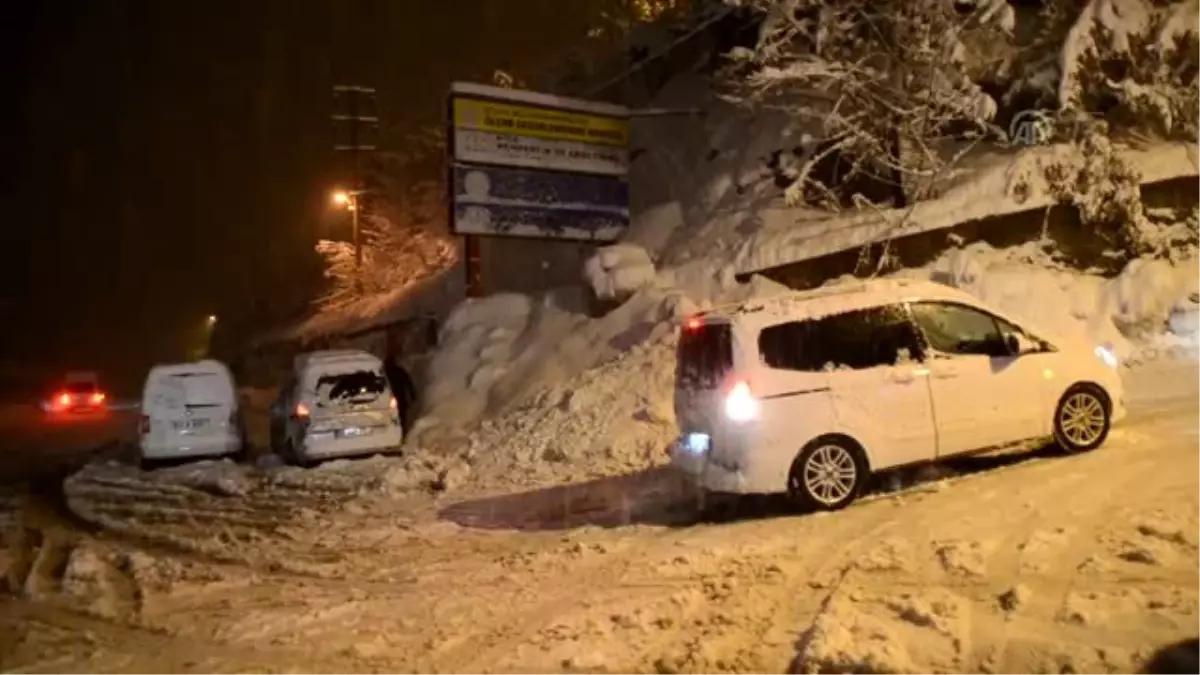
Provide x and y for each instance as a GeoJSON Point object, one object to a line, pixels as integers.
{"type": "Point", "coordinates": [1082, 418]}
{"type": "Point", "coordinates": [828, 474]}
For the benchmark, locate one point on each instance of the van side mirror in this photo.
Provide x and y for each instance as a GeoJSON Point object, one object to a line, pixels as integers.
{"type": "Point", "coordinates": [1016, 344]}
{"type": "Point", "coordinates": [1012, 345]}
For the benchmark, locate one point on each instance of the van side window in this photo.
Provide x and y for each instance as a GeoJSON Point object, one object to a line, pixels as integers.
{"type": "Point", "coordinates": [957, 329]}
{"type": "Point", "coordinates": [865, 338]}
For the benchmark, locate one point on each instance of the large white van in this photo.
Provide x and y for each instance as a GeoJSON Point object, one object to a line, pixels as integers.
{"type": "Point", "coordinates": [810, 392]}
{"type": "Point", "coordinates": [190, 410]}
{"type": "Point", "coordinates": [336, 403]}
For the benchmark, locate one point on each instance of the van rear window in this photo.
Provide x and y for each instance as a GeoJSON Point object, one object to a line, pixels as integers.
{"type": "Point", "coordinates": [202, 389]}
{"type": "Point", "coordinates": [180, 390]}
{"type": "Point", "coordinates": [704, 356]}
{"type": "Point", "coordinates": [359, 386]}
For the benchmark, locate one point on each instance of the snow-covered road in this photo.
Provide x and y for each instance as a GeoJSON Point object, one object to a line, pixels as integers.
{"type": "Point", "coordinates": [35, 447]}
{"type": "Point", "coordinates": [1038, 564]}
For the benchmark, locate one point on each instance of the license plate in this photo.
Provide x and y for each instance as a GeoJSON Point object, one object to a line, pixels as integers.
{"type": "Point", "coordinates": [184, 425]}
{"type": "Point", "coordinates": [349, 432]}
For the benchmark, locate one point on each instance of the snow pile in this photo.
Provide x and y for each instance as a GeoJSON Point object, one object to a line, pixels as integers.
{"type": "Point", "coordinates": [477, 342]}
{"type": "Point", "coordinates": [613, 419]}
{"type": "Point", "coordinates": [619, 271]}
{"type": "Point", "coordinates": [1149, 306]}
{"type": "Point", "coordinates": [236, 512]}
{"type": "Point", "coordinates": [495, 352]}
{"type": "Point", "coordinates": [84, 579]}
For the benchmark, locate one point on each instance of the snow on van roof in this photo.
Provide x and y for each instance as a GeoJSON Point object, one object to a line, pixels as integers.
{"type": "Point", "coordinates": [891, 289]}
{"type": "Point", "coordinates": [335, 356]}
{"type": "Point", "coordinates": [204, 365]}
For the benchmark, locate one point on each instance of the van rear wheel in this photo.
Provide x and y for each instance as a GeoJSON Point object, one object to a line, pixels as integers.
{"type": "Point", "coordinates": [828, 474]}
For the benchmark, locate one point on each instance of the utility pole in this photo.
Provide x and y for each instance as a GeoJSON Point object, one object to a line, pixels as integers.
{"type": "Point", "coordinates": [352, 107]}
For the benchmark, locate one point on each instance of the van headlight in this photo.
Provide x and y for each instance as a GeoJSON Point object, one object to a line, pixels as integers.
{"type": "Point", "coordinates": [1106, 355]}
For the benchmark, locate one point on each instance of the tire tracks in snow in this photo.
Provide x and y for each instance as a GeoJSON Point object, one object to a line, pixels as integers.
{"type": "Point", "coordinates": [1008, 564]}
{"type": "Point", "coordinates": [795, 563]}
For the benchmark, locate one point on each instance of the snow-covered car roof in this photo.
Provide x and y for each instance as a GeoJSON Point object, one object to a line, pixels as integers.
{"type": "Point", "coordinates": [849, 296]}
{"type": "Point", "coordinates": [840, 297]}
{"type": "Point", "coordinates": [203, 366]}
{"type": "Point", "coordinates": [336, 356]}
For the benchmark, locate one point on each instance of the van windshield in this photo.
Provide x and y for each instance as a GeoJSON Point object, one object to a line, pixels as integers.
{"type": "Point", "coordinates": [349, 388]}
{"type": "Point", "coordinates": [704, 356]}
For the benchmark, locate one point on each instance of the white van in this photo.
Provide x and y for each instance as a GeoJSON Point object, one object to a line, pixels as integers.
{"type": "Point", "coordinates": [190, 410]}
{"type": "Point", "coordinates": [809, 393]}
{"type": "Point", "coordinates": [337, 403]}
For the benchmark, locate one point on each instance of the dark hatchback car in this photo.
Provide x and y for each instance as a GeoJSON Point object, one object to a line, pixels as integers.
{"type": "Point", "coordinates": [80, 396]}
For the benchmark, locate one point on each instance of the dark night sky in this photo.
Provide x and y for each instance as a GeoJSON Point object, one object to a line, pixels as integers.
{"type": "Point", "coordinates": [165, 160]}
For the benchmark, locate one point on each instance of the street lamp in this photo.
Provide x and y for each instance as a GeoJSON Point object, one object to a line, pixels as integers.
{"type": "Point", "coordinates": [349, 199]}
{"type": "Point", "coordinates": [212, 319]}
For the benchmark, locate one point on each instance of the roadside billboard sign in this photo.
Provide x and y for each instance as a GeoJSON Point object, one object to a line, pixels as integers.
{"type": "Point", "coordinates": [527, 164]}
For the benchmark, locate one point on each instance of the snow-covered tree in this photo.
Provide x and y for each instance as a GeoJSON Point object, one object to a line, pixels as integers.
{"type": "Point", "coordinates": [393, 258]}
{"type": "Point", "coordinates": [884, 83]}
{"type": "Point", "coordinates": [403, 219]}
{"type": "Point", "coordinates": [1133, 63]}
{"type": "Point", "coordinates": [1117, 71]}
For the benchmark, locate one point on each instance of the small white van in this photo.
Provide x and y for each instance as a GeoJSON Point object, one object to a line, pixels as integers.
{"type": "Point", "coordinates": [337, 403]}
{"type": "Point", "coordinates": [808, 393]}
{"type": "Point", "coordinates": [190, 410]}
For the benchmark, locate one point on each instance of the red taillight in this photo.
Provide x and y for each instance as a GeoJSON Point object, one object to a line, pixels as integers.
{"type": "Point", "coordinates": [63, 400]}
{"type": "Point", "coordinates": [301, 410]}
{"type": "Point", "coordinates": [98, 398]}
{"type": "Point", "coordinates": [694, 323]}
{"type": "Point", "coordinates": [144, 424]}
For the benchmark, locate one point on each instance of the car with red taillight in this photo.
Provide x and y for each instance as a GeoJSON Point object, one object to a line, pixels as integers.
{"type": "Point", "coordinates": [336, 403]}
{"type": "Point", "coordinates": [80, 395]}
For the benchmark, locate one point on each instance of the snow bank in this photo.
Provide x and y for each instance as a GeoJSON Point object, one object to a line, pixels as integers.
{"type": "Point", "coordinates": [234, 512]}
{"type": "Point", "coordinates": [565, 396]}
{"type": "Point", "coordinates": [494, 352]}
{"type": "Point", "coordinates": [613, 419]}
{"type": "Point", "coordinates": [619, 271]}
{"type": "Point", "coordinates": [1149, 306]}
